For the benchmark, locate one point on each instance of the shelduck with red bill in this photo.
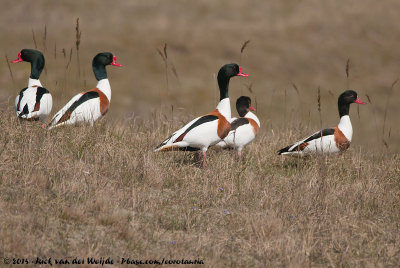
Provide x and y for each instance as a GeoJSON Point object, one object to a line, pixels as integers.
{"type": "Point", "coordinates": [243, 129]}
{"type": "Point", "coordinates": [329, 140]}
{"type": "Point", "coordinates": [33, 102]}
{"type": "Point", "coordinates": [209, 129]}
{"type": "Point", "coordinates": [90, 105]}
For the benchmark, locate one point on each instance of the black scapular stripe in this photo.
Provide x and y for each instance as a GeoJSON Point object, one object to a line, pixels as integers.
{"type": "Point", "coordinates": [21, 94]}
{"type": "Point", "coordinates": [325, 132]}
{"type": "Point", "coordinates": [201, 120]}
{"type": "Point", "coordinates": [165, 141]}
{"type": "Point", "coordinates": [25, 111]}
{"type": "Point", "coordinates": [40, 92]}
{"type": "Point", "coordinates": [239, 122]}
{"type": "Point", "coordinates": [284, 150]}
{"type": "Point", "coordinates": [188, 149]}
{"type": "Point", "coordinates": [85, 97]}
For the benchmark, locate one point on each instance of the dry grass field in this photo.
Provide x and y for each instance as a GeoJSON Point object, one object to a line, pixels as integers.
{"type": "Point", "coordinates": [101, 191]}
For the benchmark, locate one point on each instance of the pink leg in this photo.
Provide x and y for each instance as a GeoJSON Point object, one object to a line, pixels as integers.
{"type": "Point", "coordinates": [43, 125]}
{"type": "Point", "coordinates": [240, 155]}
{"type": "Point", "coordinates": [197, 155]}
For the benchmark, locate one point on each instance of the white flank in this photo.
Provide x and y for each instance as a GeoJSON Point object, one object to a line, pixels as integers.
{"type": "Point", "coordinates": [29, 98]}
{"type": "Point", "coordinates": [326, 144]}
{"type": "Point", "coordinates": [88, 111]}
{"type": "Point", "coordinates": [240, 137]}
{"type": "Point", "coordinates": [201, 136]}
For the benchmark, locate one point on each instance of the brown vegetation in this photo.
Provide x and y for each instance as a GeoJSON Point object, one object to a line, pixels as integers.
{"type": "Point", "coordinates": [101, 191]}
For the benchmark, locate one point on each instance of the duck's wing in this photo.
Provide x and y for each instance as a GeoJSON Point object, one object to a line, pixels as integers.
{"type": "Point", "coordinates": [86, 106]}
{"type": "Point", "coordinates": [27, 103]}
{"type": "Point", "coordinates": [302, 144]}
{"type": "Point", "coordinates": [178, 136]}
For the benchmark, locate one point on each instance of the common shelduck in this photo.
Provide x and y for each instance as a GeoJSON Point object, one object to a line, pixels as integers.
{"type": "Point", "coordinates": [208, 129]}
{"type": "Point", "coordinates": [329, 140]}
{"type": "Point", "coordinates": [33, 102]}
{"type": "Point", "coordinates": [90, 105]}
{"type": "Point", "coordinates": [243, 129]}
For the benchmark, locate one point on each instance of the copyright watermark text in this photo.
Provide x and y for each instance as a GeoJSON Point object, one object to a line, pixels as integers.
{"type": "Point", "coordinates": [98, 261]}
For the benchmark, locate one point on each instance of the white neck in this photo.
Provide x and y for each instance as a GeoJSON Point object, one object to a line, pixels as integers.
{"type": "Point", "coordinates": [34, 82]}
{"type": "Point", "coordinates": [224, 107]}
{"type": "Point", "coordinates": [254, 117]}
{"type": "Point", "coordinates": [104, 86]}
{"type": "Point", "coordinates": [345, 126]}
